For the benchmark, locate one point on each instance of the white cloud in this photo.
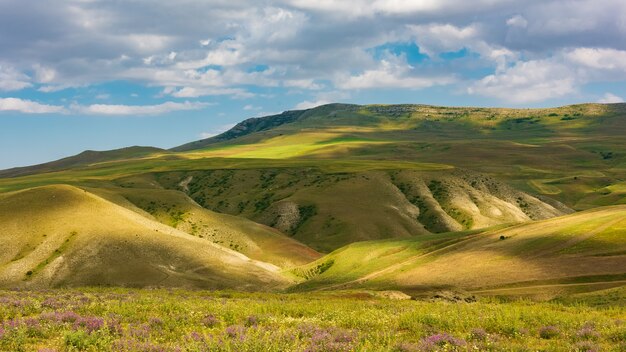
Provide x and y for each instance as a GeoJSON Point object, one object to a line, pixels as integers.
{"type": "Point", "coordinates": [44, 74]}
{"type": "Point", "coordinates": [529, 81]}
{"type": "Point", "coordinates": [28, 106]}
{"type": "Point", "coordinates": [310, 104]}
{"type": "Point", "coordinates": [193, 92]}
{"type": "Point", "coordinates": [227, 53]}
{"type": "Point", "coordinates": [217, 131]}
{"type": "Point", "coordinates": [436, 38]}
{"type": "Point", "coordinates": [358, 8]}
{"type": "Point", "coordinates": [599, 58]}
{"type": "Point", "coordinates": [308, 45]}
{"type": "Point", "coordinates": [148, 42]}
{"type": "Point", "coordinates": [517, 21]}
{"type": "Point", "coordinates": [250, 107]}
{"type": "Point", "coordinates": [12, 80]}
{"type": "Point", "coordinates": [105, 109]}
{"type": "Point", "coordinates": [390, 74]}
{"type": "Point", "coordinates": [303, 84]}
{"type": "Point", "coordinates": [610, 98]}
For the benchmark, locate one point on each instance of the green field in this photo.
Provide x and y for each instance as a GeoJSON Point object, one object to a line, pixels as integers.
{"type": "Point", "coordinates": [98, 319]}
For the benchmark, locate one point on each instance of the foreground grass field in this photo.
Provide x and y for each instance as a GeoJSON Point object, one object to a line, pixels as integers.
{"type": "Point", "coordinates": [178, 320]}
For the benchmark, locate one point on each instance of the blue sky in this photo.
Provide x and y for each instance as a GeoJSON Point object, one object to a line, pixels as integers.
{"type": "Point", "coordinates": [95, 74]}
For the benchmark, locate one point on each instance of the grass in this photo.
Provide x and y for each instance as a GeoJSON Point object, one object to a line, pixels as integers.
{"type": "Point", "coordinates": [110, 244]}
{"type": "Point", "coordinates": [548, 253]}
{"type": "Point", "coordinates": [100, 319]}
{"type": "Point", "coordinates": [119, 169]}
{"type": "Point", "coordinates": [57, 252]}
{"type": "Point", "coordinates": [526, 147]}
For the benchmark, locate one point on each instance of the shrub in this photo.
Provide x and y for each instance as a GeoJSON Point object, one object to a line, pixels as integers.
{"type": "Point", "coordinates": [478, 335]}
{"type": "Point", "coordinates": [586, 346]}
{"type": "Point", "coordinates": [434, 342]}
{"type": "Point", "coordinates": [549, 332]}
{"type": "Point", "coordinates": [210, 321]}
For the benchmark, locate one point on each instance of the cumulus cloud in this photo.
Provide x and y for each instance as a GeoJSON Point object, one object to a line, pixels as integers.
{"type": "Point", "coordinates": [107, 109]}
{"type": "Point", "coordinates": [391, 73]}
{"type": "Point", "coordinates": [227, 47]}
{"type": "Point", "coordinates": [599, 58]}
{"type": "Point", "coordinates": [12, 80]}
{"type": "Point", "coordinates": [437, 37]}
{"type": "Point", "coordinates": [610, 98]}
{"type": "Point", "coordinates": [357, 8]}
{"type": "Point", "coordinates": [310, 104]}
{"type": "Point", "coordinates": [221, 129]}
{"type": "Point", "coordinates": [28, 106]}
{"type": "Point", "coordinates": [527, 82]}
{"type": "Point", "coordinates": [193, 92]}
{"type": "Point", "coordinates": [517, 21]}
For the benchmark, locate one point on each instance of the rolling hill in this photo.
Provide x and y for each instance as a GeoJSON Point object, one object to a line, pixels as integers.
{"type": "Point", "coordinates": [582, 251]}
{"type": "Point", "coordinates": [408, 197]}
{"type": "Point", "coordinates": [328, 210]}
{"type": "Point", "coordinates": [64, 236]}
{"type": "Point", "coordinates": [571, 153]}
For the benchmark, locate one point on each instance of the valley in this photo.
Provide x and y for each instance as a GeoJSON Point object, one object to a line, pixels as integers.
{"type": "Point", "coordinates": [412, 198]}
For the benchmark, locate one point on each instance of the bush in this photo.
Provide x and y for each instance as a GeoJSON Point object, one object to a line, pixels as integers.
{"type": "Point", "coordinates": [549, 332]}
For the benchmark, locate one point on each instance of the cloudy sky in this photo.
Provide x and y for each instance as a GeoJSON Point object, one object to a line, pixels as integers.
{"type": "Point", "coordinates": [102, 74]}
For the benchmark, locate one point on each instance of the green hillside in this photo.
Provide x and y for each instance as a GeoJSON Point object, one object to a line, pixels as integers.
{"type": "Point", "coordinates": [582, 251]}
{"type": "Point", "coordinates": [64, 236]}
{"type": "Point", "coordinates": [570, 153]}
{"type": "Point", "coordinates": [329, 209]}
{"type": "Point", "coordinates": [429, 189]}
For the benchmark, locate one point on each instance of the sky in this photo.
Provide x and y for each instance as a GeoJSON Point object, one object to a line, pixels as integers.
{"type": "Point", "coordinates": [105, 74]}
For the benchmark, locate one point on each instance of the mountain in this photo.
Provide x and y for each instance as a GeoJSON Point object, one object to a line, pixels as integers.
{"type": "Point", "coordinates": [571, 153]}
{"type": "Point", "coordinates": [408, 197]}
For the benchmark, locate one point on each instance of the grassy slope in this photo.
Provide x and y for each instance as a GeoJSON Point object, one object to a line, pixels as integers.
{"type": "Point", "coordinates": [175, 209]}
{"type": "Point", "coordinates": [570, 153]}
{"type": "Point", "coordinates": [83, 159]}
{"type": "Point", "coordinates": [328, 210]}
{"type": "Point", "coordinates": [65, 236]}
{"type": "Point", "coordinates": [575, 153]}
{"type": "Point", "coordinates": [580, 248]}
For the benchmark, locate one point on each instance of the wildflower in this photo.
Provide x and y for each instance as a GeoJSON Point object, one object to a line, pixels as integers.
{"type": "Point", "coordinates": [210, 321]}
{"type": "Point", "coordinates": [433, 342]}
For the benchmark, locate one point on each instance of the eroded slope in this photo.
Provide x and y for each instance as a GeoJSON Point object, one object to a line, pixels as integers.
{"type": "Point", "coordinates": [65, 236]}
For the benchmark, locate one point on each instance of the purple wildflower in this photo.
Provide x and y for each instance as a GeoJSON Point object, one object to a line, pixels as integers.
{"type": "Point", "coordinates": [586, 346]}
{"type": "Point", "coordinates": [140, 331]}
{"type": "Point", "coordinates": [478, 334]}
{"type": "Point", "coordinates": [235, 331]}
{"type": "Point", "coordinates": [196, 336]}
{"type": "Point", "coordinates": [330, 340]}
{"type": "Point", "coordinates": [89, 324]}
{"type": "Point", "coordinates": [587, 332]}
{"type": "Point", "coordinates": [433, 342]}
{"type": "Point", "coordinates": [210, 321]}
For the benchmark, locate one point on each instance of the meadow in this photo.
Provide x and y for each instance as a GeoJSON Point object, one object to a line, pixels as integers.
{"type": "Point", "coordinates": [116, 319]}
